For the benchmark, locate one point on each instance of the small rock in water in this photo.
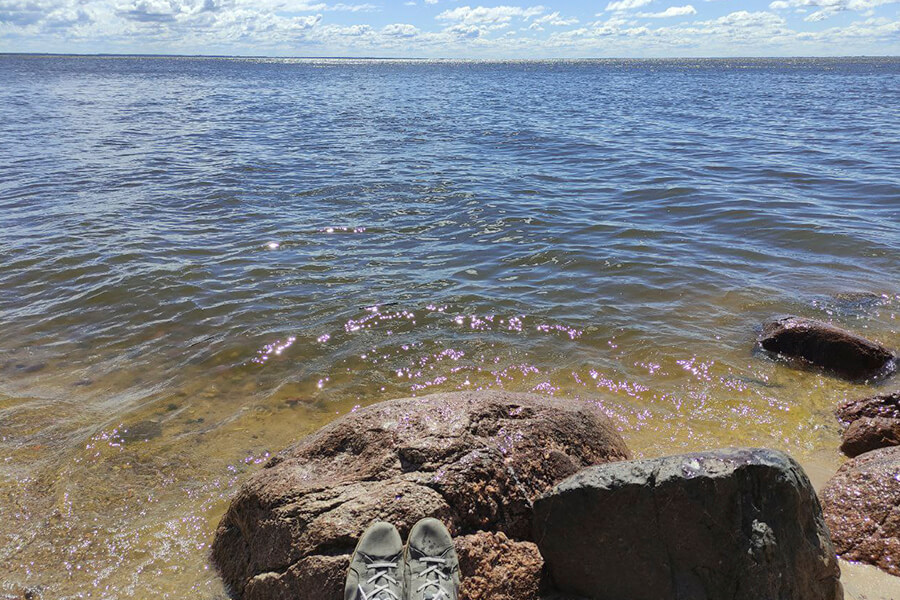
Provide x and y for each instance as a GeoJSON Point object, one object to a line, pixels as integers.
{"type": "Point", "coordinates": [141, 432]}
{"type": "Point", "coordinates": [871, 433]}
{"type": "Point", "coordinates": [849, 304]}
{"type": "Point", "coordinates": [831, 348]}
{"type": "Point", "coordinates": [883, 405]}
{"type": "Point", "coordinates": [861, 508]}
{"type": "Point", "coordinates": [858, 300]}
{"type": "Point", "coordinates": [736, 524]}
{"type": "Point", "coordinates": [871, 423]}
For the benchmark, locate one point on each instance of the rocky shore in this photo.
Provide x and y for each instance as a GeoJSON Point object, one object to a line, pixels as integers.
{"type": "Point", "coordinates": [862, 501]}
{"type": "Point", "coordinates": [544, 500]}
{"type": "Point", "coordinates": [477, 461]}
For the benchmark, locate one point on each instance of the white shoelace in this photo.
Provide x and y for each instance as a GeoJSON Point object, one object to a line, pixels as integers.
{"type": "Point", "coordinates": [382, 580]}
{"type": "Point", "coordinates": [435, 570]}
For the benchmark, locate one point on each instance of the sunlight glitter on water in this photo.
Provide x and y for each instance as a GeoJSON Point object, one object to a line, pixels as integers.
{"type": "Point", "coordinates": [190, 281]}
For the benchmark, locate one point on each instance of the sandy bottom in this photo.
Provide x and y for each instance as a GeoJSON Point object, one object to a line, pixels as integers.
{"type": "Point", "coordinates": [863, 582]}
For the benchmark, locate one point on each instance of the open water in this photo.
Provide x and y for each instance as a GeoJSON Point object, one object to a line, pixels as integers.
{"type": "Point", "coordinates": [202, 260]}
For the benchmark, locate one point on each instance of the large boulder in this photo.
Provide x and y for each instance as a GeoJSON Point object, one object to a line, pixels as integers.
{"type": "Point", "coordinates": [870, 423]}
{"type": "Point", "coordinates": [822, 345]}
{"type": "Point", "coordinates": [475, 460]}
{"type": "Point", "coordinates": [736, 524]}
{"type": "Point", "coordinates": [862, 509]}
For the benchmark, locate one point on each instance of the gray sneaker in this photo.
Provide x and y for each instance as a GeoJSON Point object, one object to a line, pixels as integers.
{"type": "Point", "coordinates": [376, 567]}
{"type": "Point", "coordinates": [431, 569]}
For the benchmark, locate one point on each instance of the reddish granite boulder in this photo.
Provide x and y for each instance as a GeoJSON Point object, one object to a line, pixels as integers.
{"type": "Point", "coordinates": [870, 433]}
{"type": "Point", "coordinates": [884, 405]}
{"type": "Point", "coordinates": [862, 509]}
{"type": "Point", "coordinates": [870, 423]}
{"type": "Point", "coordinates": [475, 460]}
{"type": "Point", "coordinates": [822, 345]}
{"type": "Point", "coordinates": [495, 567]}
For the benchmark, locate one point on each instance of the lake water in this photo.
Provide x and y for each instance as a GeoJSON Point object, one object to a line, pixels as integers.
{"type": "Point", "coordinates": [202, 260]}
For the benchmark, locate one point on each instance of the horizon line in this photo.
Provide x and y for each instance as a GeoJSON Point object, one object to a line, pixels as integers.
{"type": "Point", "coordinates": [423, 58]}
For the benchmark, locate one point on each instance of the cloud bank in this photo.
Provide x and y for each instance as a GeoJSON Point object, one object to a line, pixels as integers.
{"type": "Point", "coordinates": [446, 28]}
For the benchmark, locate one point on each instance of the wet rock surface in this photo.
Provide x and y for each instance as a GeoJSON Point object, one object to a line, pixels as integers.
{"type": "Point", "coordinates": [870, 423]}
{"type": "Point", "coordinates": [828, 347]}
{"type": "Point", "coordinates": [737, 524]}
{"type": "Point", "coordinates": [474, 460]}
{"type": "Point", "coordinates": [862, 509]}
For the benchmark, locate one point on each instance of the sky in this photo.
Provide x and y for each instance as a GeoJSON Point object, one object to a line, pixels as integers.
{"type": "Point", "coordinates": [454, 28]}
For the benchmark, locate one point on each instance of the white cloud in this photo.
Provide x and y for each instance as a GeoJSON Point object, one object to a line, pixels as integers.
{"type": "Point", "coordinates": [672, 11]}
{"type": "Point", "coordinates": [299, 6]}
{"type": "Point", "coordinates": [322, 27]}
{"type": "Point", "coordinates": [828, 8]}
{"type": "Point", "coordinates": [482, 15]}
{"type": "Point", "coordinates": [552, 19]}
{"type": "Point", "coordinates": [621, 5]}
{"type": "Point", "coordinates": [351, 7]}
{"type": "Point", "coordinates": [743, 18]}
{"type": "Point", "coordinates": [403, 30]}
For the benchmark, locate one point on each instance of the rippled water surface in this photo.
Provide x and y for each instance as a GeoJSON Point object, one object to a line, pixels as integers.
{"type": "Point", "coordinates": [202, 260]}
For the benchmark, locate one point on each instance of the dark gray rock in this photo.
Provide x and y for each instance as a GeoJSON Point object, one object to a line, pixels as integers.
{"type": "Point", "coordinates": [475, 460]}
{"type": "Point", "coordinates": [822, 345]}
{"type": "Point", "coordinates": [870, 423]}
{"type": "Point", "coordinates": [862, 508]}
{"type": "Point", "coordinates": [736, 524]}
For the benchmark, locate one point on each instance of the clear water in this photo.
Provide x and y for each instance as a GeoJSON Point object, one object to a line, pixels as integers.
{"type": "Point", "coordinates": [202, 260]}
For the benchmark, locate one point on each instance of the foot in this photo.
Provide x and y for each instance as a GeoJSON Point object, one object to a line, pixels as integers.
{"type": "Point", "coordinates": [431, 570]}
{"type": "Point", "coordinates": [376, 567]}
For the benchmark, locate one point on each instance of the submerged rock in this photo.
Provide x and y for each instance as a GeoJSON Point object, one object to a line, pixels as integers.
{"type": "Point", "coordinates": [850, 304]}
{"type": "Point", "coordinates": [870, 423]}
{"type": "Point", "coordinates": [820, 344]}
{"type": "Point", "coordinates": [475, 460]}
{"type": "Point", "coordinates": [736, 524]}
{"type": "Point", "coordinates": [141, 432]}
{"type": "Point", "coordinates": [862, 509]}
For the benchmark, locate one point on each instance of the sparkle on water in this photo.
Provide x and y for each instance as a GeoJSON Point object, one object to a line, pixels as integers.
{"type": "Point", "coordinates": [205, 260]}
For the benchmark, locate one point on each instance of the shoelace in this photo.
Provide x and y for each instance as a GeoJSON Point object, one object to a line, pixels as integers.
{"type": "Point", "coordinates": [382, 581]}
{"type": "Point", "coordinates": [435, 570]}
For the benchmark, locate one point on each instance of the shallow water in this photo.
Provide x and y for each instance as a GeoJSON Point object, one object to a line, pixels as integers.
{"type": "Point", "coordinates": [202, 260]}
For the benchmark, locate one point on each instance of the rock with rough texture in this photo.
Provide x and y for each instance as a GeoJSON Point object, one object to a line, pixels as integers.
{"type": "Point", "coordinates": [862, 509]}
{"type": "Point", "coordinates": [870, 423]}
{"type": "Point", "coordinates": [736, 524]}
{"type": "Point", "coordinates": [475, 460]}
{"type": "Point", "coordinates": [820, 344]}
{"type": "Point", "coordinates": [493, 567]}
{"type": "Point", "coordinates": [870, 433]}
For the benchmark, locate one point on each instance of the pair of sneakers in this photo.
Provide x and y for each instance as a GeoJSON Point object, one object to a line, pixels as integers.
{"type": "Point", "coordinates": [382, 568]}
